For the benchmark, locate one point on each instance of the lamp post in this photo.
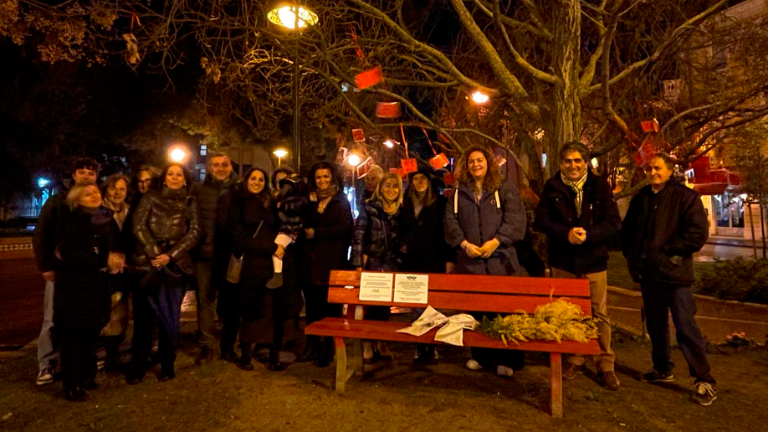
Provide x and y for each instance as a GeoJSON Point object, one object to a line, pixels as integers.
{"type": "Point", "coordinates": [294, 17]}
{"type": "Point", "coordinates": [280, 153]}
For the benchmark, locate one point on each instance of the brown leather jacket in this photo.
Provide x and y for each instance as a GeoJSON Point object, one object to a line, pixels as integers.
{"type": "Point", "coordinates": [167, 222]}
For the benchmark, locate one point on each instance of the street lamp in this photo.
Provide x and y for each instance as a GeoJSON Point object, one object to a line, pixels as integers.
{"type": "Point", "coordinates": [354, 160]}
{"type": "Point", "coordinates": [389, 143]}
{"type": "Point", "coordinates": [294, 17]}
{"type": "Point", "coordinates": [177, 154]}
{"type": "Point", "coordinates": [480, 98]}
{"type": "Point", "coordinates": [280, 153]}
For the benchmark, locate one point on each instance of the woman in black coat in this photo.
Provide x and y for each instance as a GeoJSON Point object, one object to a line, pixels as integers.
{"type": "Point", "coordinates": [376, 246]}
{"type": "Point", "coordinates": [253, 218]}
{"type": "Point", "coordinates": [166, 228]}
{"type": "Point", "coordinates": [87, 239]}
{"type": "Point", "coordinates": [423, 237]}
{"type": "Point", "coordinates": [483, 221]}
{"type": "Point", "coordinates": [327, 236]}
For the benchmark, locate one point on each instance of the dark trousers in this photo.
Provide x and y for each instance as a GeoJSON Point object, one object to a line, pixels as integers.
{"type": "Point", "coordinates": [78, 353]}
{"type": "Point", "coordinates": [143, 323]}
{"type": "Point", "coordinates": [659, 300]}
{"type": "Point", "coordinates": [317, 306]}
{"type": "Point", "coordinates": [229, 316]}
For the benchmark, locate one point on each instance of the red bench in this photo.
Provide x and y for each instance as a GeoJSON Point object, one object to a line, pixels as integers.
{"type": "Point", "coordinates": [470, 293]}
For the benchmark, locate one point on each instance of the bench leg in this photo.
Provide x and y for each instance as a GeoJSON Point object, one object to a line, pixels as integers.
{"type": "Point", "coordinates": [556, 371]}
{"type": "Point", "coordinates": [341, 364]}
{"type": "Point", "coordinates": [358, 366]}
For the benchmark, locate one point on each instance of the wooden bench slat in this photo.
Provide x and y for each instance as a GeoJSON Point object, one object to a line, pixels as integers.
{"type": "Point", "coordinates": [558, 287]}
{"type": "Point", "coordinates": [472, 302]}
{"type": "Point", "coordinates": [386, 331]}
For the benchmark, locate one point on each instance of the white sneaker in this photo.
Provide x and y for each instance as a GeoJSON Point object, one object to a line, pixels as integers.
{"type": "Point", "coordinates": [504, 371]}
{"type": "Point", "coordinates": [473, 365]}
{"type": "Point", "coordinates": [45, 376]}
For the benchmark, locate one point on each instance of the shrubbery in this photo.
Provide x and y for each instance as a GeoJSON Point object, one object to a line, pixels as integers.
{"type": "Point", "coordinates": [736, 279]}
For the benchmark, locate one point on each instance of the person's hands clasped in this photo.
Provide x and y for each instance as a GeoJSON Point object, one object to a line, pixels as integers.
{"type": "Point", "coordinates": [161, 260]}
{"type": "Point", "coordinates": [280, 252]}
{"type": "Point", "coordinates": [471, 250]}
{"type": "Point", "coordinates": [577, 235]}
{"type": "Point", "coordinates": [115, 262]}
{"type": "Point", "coordinates": [489, 247]}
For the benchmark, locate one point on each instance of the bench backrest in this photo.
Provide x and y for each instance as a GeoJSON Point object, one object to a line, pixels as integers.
{"type": "Point", "coordinates": [474, 293]}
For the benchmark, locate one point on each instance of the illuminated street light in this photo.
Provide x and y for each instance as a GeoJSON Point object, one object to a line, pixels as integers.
{"type": "Point", "coordinates": [389, 143]}
{"type": "Point", "coordinates": [42, 182]}
{"type": "Point", "coordinates": [294, 17]}
{"type": "Point", "coordinates": [285, 16]}
{"type": "Point", "coordinates": [280, 153]}
{"type": "Point", "coordinates": [354, 160]}
{"type": "Point", "coordinates": [177, 155]}
{"type": "Point", "coordinates": [479, 97]}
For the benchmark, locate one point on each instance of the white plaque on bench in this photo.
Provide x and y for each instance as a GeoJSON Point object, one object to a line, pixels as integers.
{"type": "Point", "coordinates": [411, 288]}
{"type": "Point", "coordinates": [376, 286]}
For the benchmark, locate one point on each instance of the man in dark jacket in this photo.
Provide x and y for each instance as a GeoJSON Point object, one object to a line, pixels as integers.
{"type": "Point", "coordinates": [664, 226]}
{"type": "Point", "coordinates": [578, 214]}
{"type": "Point", "coordinates": [85, 171]}
{"type": "Point", "coordinates": [209, 267]}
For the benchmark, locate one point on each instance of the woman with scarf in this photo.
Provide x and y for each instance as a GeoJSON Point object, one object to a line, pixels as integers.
{"type": "Point", "coordinates": [327, 236]}
{"type": "Point", "coordinates": [254, 221]}
{"type": "Point", "coordinates": [115, 192]}
{"type": "Point", "coordinates": [483, 220]}
{"type": "Point", "coordinates": [166, 228]}
{"type": "Point", "coordinates": [376, 247]}
{"type": "Point", "coordinates": [421, 230]}
{"type": "Point", "coordinates": [87, 240]}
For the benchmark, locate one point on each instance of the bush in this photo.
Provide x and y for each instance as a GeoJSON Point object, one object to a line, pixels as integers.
{"type": "Point", "coordinates": [737, 279]}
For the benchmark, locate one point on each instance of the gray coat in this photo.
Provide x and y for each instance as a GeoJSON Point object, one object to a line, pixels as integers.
{"type": "Point", "coordinates": [479, 222]}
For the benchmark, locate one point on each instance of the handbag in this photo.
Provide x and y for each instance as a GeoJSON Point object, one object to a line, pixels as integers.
{"type": "Point", "coordinates": [235, 266]}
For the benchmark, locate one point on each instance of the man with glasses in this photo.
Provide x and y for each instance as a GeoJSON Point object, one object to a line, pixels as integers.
{"type": "Point", "coordinates": [665, 225]}
{"type": "Point", "coordinates": [209, 266]}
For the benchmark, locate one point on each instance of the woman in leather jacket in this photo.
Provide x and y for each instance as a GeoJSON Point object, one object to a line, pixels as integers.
{"type": "Point", "coordinates": [166, 228]}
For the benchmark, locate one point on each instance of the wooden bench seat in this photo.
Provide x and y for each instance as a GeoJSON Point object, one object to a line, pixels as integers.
{"type": "Point", "coordinates": [470, 293]}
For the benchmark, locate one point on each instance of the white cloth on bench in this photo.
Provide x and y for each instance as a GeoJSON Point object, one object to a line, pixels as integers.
{"type": "Point", "coordinates": [452, 330]}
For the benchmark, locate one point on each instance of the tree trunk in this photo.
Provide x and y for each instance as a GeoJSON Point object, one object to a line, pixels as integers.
{"type": "Point", "coordinates": [565, 117]}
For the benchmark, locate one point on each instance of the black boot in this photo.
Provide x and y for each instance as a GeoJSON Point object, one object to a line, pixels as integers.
{"type": "Point", "coordinates": [228, 354]}
{"type": "Point", "coordinates": [245, 357]}
{"type": "Point", "coordinates": [311, 349]}
{"type": "Point", "coordinates": [75, 393]}
{"type": "Point", "coordinates": [135, 374]}
{"type": "Point", "coordinates": [167, 370]}
{"type": "Point", "coordinates": [325, 356]}
{"type": "Point", "coordinates": [274, 363]}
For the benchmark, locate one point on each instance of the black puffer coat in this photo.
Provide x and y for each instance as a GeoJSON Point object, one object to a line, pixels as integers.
{"type": "Point", "coordinates": [424, 237]}
{"type": "Point", "coordinates": [246, 212]}
{"type": "Point", "coordinates": [207, 194]}
{"type": "Point", "coordinates": [661, 232]}
{"type": "Point", "coordinates": [328, 249]}
{"type": "Point", "coordinates": [478, 223]}
{"type": "Point", "coordinates": [556, 215]}
{"type": "Point", "coordinates": [44, 239]}
{"type": "Point", "coordinates": [84, 240]}
{"type": "Point", "coordinates": [166, 222]}
{"type": "Point", "coordinates": [376, 235]}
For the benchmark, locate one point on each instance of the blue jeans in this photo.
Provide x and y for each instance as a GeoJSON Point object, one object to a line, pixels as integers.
{"type": "Point", "coordinates": [47, 353]}
{"type": "Point", "coordinates": [659, 300]}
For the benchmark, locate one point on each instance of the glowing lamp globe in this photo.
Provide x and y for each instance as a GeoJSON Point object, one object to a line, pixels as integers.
{"type": "Point", "coordinates": [285, 16]}
{"type": "Point", "coordinates": [354, 160]}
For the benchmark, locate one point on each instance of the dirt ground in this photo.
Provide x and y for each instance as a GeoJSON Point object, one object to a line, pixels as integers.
{"type": "Point", "coordinates": [401, 397]}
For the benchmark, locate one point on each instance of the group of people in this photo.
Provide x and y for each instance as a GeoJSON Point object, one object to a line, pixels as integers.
{"type": "Point", "coordinates": [259, 249]}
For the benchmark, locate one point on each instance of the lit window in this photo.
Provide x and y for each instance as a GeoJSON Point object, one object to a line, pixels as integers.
{"type": "Point", "coordinates": [203, 150]}
{"type": "Point", "coordinates": [202, 172]}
